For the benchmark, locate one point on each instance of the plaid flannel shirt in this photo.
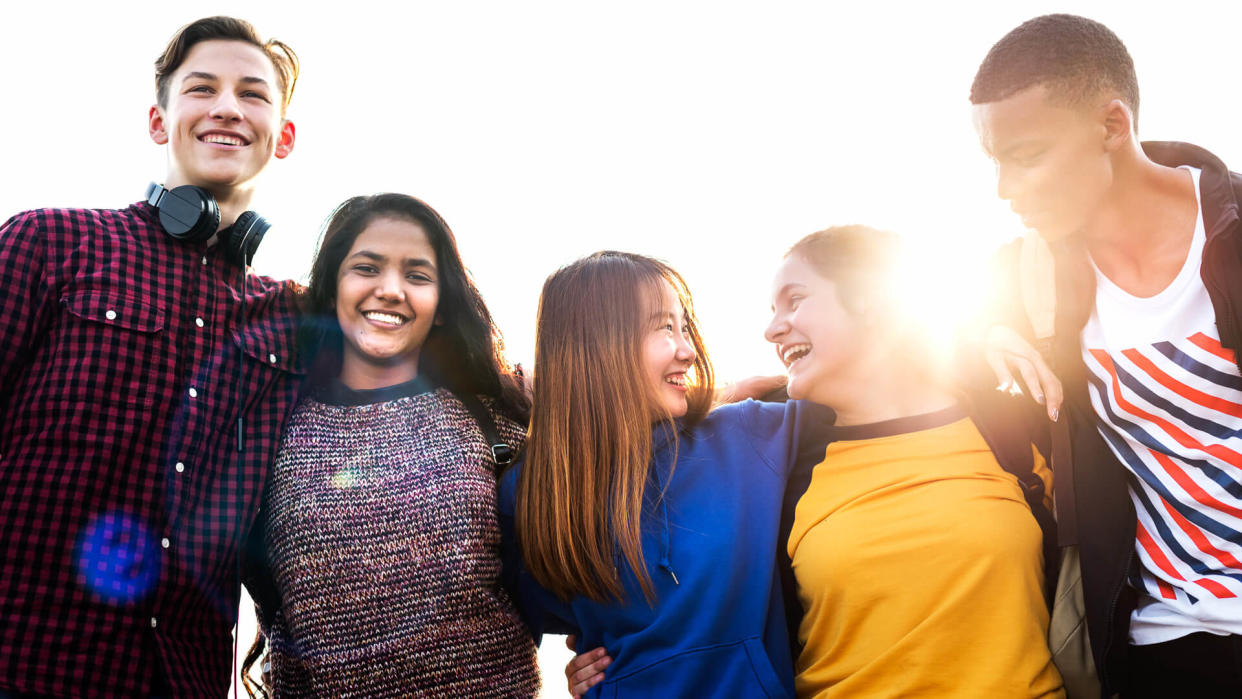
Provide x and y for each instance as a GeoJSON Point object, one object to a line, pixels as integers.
{"type": "Point", "coordinates": [121, 498]}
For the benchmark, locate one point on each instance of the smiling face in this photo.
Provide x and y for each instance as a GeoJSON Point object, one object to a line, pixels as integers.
{"type": "Point", "coordinates": [387, 292]}
{"type": "Point", "coordinates": [222, 122]}
{"type": "Point", "coordinates": [1052, 160]}
{"type": "Point", "coordinates": [668, 352]}
{"type": "Point", "coordinates": [821, 343]}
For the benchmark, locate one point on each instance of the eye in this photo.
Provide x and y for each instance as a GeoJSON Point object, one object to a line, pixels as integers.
{"type": "Point", "coordinates": [204, 89]}
{"type": "Point", "coordinates": [366, 269]}
{"type": "Point", "coordinates": [794, 302]}
{"type": "Point", "coordinates": [419, 278]}
{"type": "Point", "coordinates": [257, 95]}
{"type": "Point", "coordinates": [1027, 159]}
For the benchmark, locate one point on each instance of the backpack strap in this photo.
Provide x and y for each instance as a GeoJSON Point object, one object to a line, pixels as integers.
{"type": "Point", "coordinates": [502, 453]}
{"type": "Point", "coordinates": [1037, 280]}
{"type": "Point", "coordinates": [1004, 423]}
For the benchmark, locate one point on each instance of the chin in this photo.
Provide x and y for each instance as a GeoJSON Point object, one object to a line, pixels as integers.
{"type": "Point", "coordinates": [1052, 233]}
{"type": "Point", "coordinates": [795, 388]}
{"type": "Point", "coordinates": [678, 410]}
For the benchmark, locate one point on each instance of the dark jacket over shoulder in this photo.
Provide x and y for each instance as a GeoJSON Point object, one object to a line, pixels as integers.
{"type": "Point", "coordinates": [1098, 484]}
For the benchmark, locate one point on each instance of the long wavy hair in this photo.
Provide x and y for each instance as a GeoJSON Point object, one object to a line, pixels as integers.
{"type": "Point", "coordinates": [580, 491]}
{"type": "Point", "coordinates": [463, 353]}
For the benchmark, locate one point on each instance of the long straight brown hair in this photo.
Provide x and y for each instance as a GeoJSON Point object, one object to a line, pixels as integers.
{"type": "Point", "coordinates": [589, 449]}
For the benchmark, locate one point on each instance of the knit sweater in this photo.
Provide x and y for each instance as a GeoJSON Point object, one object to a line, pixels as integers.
{"type": "Point", "coordinates": [384, 546]}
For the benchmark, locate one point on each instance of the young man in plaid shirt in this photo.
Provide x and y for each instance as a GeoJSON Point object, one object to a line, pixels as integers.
{"type": "Point", "coordinates": [125, 364]}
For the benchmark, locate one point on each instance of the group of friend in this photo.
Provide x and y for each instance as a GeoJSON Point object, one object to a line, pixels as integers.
{"type": "Point", "coordinates": [412, 513]}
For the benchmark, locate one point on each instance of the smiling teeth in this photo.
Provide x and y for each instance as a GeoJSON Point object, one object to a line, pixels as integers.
{"type": "Point", "coordinates": [390, 318]}
{"type": "Point", "coordinates": [793, 353]}
{"type": "Point", "coordinates": [676, 379]}
{"type": "Point", "coordinates": [223, 140]}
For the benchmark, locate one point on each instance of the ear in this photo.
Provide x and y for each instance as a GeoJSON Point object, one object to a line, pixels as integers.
{"type": "Point", "coordinates": [284, 144]}
{"type": "Point", "coordinates": [155, 125]}
{"type": "Point", "coordinates": [1118, 122]}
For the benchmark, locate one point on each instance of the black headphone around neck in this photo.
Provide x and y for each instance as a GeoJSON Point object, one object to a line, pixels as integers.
{"type": "Point", "coordinates": [190, 214]}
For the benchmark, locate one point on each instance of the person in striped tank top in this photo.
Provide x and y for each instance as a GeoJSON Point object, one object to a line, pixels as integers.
{"type": "Point", "coordinates": [1145, 238]}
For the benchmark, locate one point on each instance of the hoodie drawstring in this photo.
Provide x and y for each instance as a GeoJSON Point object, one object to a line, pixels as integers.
{"type": "Point", "coordinates": [664, 554]}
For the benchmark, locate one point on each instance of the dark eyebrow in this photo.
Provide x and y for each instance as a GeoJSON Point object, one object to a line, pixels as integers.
{"type": "Point", "coordinates": [420, 262]}
{"type": "Point", "coordinates": [210, 76]}
{"type": "Point", "coordinates": [409, 261]}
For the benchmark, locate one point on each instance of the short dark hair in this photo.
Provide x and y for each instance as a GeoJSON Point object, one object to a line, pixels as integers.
{"type": "Point", "coordinates": [1074, 57]}
{"type": "Point", "coordinates": [464, 352]}
{"type": "Point", "coordinates": [862, 261]}
{"type": "Point", "coordinates": [284, 60]}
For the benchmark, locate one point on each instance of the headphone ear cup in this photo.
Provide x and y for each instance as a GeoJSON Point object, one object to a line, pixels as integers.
{"type": "Point", "coordinates": [244, 237]}
{"type": "Point", "coordinates": [189, 214]}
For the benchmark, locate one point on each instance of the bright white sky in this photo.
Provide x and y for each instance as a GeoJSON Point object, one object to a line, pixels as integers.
{"type": "Point", "coordinates": [710, 134]}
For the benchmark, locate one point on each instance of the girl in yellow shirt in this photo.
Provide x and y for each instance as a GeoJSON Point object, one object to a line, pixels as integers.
{"type": "Point", "coordinates": [918, 563]}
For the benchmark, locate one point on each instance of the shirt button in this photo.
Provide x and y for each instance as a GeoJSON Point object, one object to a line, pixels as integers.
{"type": "Point", "coordinates": [198, 322]}
{"type": "Point", "coordinates": [110, 315]}
{"type": "Point", "coordinates": [165, 542]}
{"type": "Point", "coordinates": [154, 623]}
{"type": "Point", "coordinates": [271, 358]}
{"type": "Point", "coordinates": [180, 467]}
{"type": "Point", "coordinates": [194, 393]}
{"type": "Point", "coordinates": [204, 260]}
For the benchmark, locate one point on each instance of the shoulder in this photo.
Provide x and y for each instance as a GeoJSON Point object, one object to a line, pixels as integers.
{"type": "Point", "coordinates": [764, 419]}
{"type": "Point", "coordinates": [59, 231]}
{"type": "Point", "coordinates": [53, 219]}
{"type": "Point", "coordinates": [739, 413]}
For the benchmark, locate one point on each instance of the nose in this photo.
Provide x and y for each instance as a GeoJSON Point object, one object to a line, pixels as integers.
{"type": "Point", "coordinates": [776, 328]}
{"type": "Point", "coordinates": [388, 287]}
{"type": "Point", "coordinates": [226, 106]}
{"type": "Point", "coordinates": [1006, 183]}
{"type": "Point", "coordinates": [685, 349]}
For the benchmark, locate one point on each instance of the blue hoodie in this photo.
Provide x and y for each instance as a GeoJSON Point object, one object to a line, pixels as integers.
{"type": "Point", "coordinates": [717, 626]}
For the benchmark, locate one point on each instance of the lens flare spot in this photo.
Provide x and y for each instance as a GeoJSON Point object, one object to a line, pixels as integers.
{"type": "Point", "coordinates": [118, 558]}
{"type": "Point", "coordinates": [344, 479]}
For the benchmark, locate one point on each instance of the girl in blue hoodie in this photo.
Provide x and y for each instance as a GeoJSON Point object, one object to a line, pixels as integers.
{"type": "Point", "coordinates": [639, 520]}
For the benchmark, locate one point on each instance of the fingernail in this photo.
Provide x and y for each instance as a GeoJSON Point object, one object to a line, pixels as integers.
{"type": "Point", "coordinates": [1039, 398]}
{"type": "Point", "coordinates": [1003, 386]}
{"type": "Point", "coordinates": [1056, 413]}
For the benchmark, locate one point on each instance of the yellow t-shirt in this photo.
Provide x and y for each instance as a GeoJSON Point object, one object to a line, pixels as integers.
{"type": "Point", "coordinates": [919, 568]}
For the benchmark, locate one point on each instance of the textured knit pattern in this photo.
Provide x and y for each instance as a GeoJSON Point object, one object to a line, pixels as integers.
{"type": "Point", "coordinates": [385, 550]}
{"type": "Point", "coordinates": [120, 498]}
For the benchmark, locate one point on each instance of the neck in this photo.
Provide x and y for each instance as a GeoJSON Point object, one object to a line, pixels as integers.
{"type": "Point", "coordinates": [1145, 208]}
{"type": "Point", "coordinates": [1142, 232]}
{"type": "Point", "coordinates": [232, 203]}
{"type": "Point", "coordinates": [890, 394]}
{"type": "Point", "coordinates": [361, 376]}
